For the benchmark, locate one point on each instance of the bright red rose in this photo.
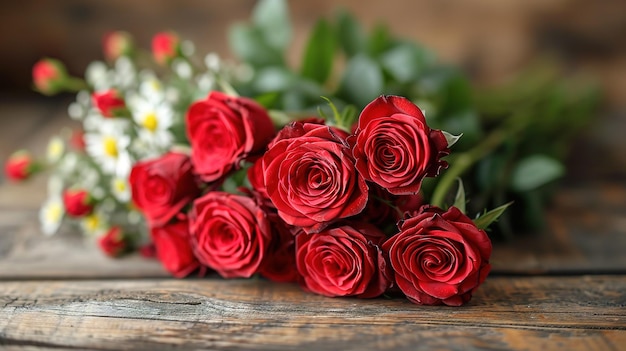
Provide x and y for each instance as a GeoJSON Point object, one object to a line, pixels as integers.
{"type": "Point", "coordinates": [225, 130]}
{"type": "Point", "coordinates": [49, 76]}
{"type": "Point", "coordinates": [343, 261]}
{"type": "Point", "coordinates": [309, 175]}
{"type": "Point", "coordinates": [78, 202]}
{"type": "Point", "coordinates": [20, 166]}
{"type": "Point", "coordinates": [439, 257]}
{"type": "Point", "coordinates": [108, 102]}
{"type": "Point", "coordinates": [116, 44]}
{"type": "Point", "coordinates": [162, 187]}
{"type": "Point", "coordinates": [394, 147]}
{"type": "Point", "coordinates": [173, 248]}
{"type": "Point", "coordinates": [165, 47]}
{"type": "Point", "coordinates": [230, 233]}
{"type": "Point", "coordinates": [113, 243]}
{"type": "Point", "coordinates": [279, 264]}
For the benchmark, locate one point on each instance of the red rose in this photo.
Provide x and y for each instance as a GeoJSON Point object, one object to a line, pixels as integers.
{"type": "Point", "coordinates": [309, 175]}
{"type": "Point", "coordinates": [20, 166]}
{"type": "Point", "coordinates": [113, 243]}
{"type": "Point", "coordinates": [117, 44]}
{"type": "Point", "coordinates": [161, 187]}
{"type": "Point", "coordinates": [439, 257]}
{"type": "Point", "coordinates": [165, 47]}
{"type": "Point", "coordinates": [343, 261]}
{"type": "Point", "coordinates": [77, 140]}
{"type": "Point", "coordinates": [49, 76]}
{"type": "Point", "coordinates": [223, 131]}
{"type": "Point", "coordinates": [173, 248]}
{"type": "Point", "coordinates": [394, 147]}
{"type": "Point", "coordinates": [110, 103]}
{"type": "Point", "coordinates": [279, 264]}
{"type": "Point", "coordinates": [230, 233]}
{"type": "Point", "coordinates": [78, 202]}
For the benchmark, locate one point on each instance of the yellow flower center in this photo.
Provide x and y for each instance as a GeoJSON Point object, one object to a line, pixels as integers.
{"type": "Point", "coordinates": [110, 146]}
{"type": "Point", "coordinates": [150, 122]}
{"type": "Point", "coordinates": [92, 222]}
{"type": "Point", "coordinates": [55, 149]}
{"type": "Point", "coordinates": [119, 185]}
{"type": "Point", "coordinates": [54, 213]}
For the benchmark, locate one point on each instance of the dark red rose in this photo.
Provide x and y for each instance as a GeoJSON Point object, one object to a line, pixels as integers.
{"type": "Point", "coordinates": [231, 233]}
{"type": "Point", "coordinates": [165, 47]}
{"type": "Point", "coordinates": [173, 248]}
{"type": "Point", "coordinates": [113, 243]}
{"type": "Point", "coordinates": [439, 257]}
{"type": "Point", "coordinates": [225, 130]}
{"type": "Point", "coordinates": [20, 166]}
{"type": "Point", "coordinates": [109, 102]}
{"type": "Point", "coordinates": [279, 264]}
{"type": "Point", "coordinates": [309, 175]}
{"type": "Point", "coordinates": [161, 187]}
{"type": "Point", "coordinates": [78, 202]}
{"type": "Point", "coordinates": [343, 261]}
{"type": "Point", "coordinates": [394, 147]}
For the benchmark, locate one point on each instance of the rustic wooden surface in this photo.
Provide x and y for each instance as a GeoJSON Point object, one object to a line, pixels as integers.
{"type": "Point", "coordinates": [561, 289]}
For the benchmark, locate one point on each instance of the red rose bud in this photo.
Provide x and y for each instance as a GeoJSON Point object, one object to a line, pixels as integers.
{"type": "Point", "coordinates": [225, 130]}
{"type": "Point", "coordinates": [78, 202]}
{"type": "Point", "coordinates": [394, 147]}
{"type": "Point", "coordinates": [77, 140]}
{"type": "Point", "coordinates": [343, 261]}
{"type": "Point", "coordinates": [173, 248]}
{"type": "Point", "coordinates": [110, 103]}
{"type": "Point", "coordinates": [117, 44]}
{"type": "Point", "coordinates": [161, 187]}
{"type": "Point", "coordinates": [20, 166]}
{"type": "Point", "coordinates": [113, 243]}
{"type": "Point", "coordinates": [230, 234]}
{"type": "Point", "coordinates": [49, 76]}
{"type": "Point", "coordinates": [439, 257]}
{"type": "Point", "coordinates": [165, 47]}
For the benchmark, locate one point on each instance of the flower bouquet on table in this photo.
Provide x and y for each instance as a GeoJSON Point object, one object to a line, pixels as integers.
{"type": "Point", "coordinates": [203, 166]}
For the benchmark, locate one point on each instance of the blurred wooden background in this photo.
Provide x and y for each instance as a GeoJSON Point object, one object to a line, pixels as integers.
{"type": "Point", "coordinates": [491, 39]}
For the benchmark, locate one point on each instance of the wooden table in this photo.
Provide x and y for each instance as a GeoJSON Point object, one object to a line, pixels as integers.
{"type": "Point", "coordinates": [564, 289]}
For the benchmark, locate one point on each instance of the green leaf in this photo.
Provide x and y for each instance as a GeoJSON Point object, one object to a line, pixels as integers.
{"type": "Point", "coordinates": [250, 46]}
{"type": "Point", "coordinates": [318, 58]}
{"type": "Point", "coordinates": [273, 79]}
{"type": "Point", "coordinates": [451, 138]}
{"type": "Point", "coordinates": [484, 221]}
{"type": "Point", "coordinates": [271, 18]}
{"type": "Point", "coordinates": [402, 62]}
{"type": "Point", "coordinates": [379, 41]}
{"type": "Point", "coordinates": [459, 199]}
{"type": "Point", "coordinates": [362, 81]}
{"type": "Point", "coordinates": [351, 36]}
{"type": "Point", "coordinates": [535, 171]}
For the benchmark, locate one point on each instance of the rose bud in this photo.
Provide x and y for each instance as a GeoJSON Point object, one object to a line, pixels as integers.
{"type": "Point", "coordinates": [225, 130]}
{"type": "Point", "coordinates": [77, 140]}
{"type": "Point", "coordinates": [117, 44]}
{"type": "Point", "coordinates": [173, 248]}
{"type": "Point", "coordinates": [230, 233]}
{"type": "Point", "coordinates": [78, 202]}
{"type": "Point", "coordinates": [162, 187]}
{"type": "Point", "coordinates": [439, 257]}
{"type": "Point", "coordinates": [110, 102]}
{"type": "Point", "coordinates": [165, 47]}
{"type": "Point", "coordinates": [394, 147]}
{"type": "Point", "coordinates": [113, 243]}
{"type": "Point", "coordinates": [20, 166]}
{"type": "Point", "coordinates": [343, 261]}
{"type": "Point", "coordinates": [309, 175]}
{"type": "Point", "coordinates": [49, 76]}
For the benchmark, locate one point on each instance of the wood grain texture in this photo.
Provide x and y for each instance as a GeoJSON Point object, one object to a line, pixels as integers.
{"type": "Point", "coordinates": [576, 313]}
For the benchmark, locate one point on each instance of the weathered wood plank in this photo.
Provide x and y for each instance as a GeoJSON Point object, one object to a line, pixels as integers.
{"type": "Point", "coordinates": [573, 313]}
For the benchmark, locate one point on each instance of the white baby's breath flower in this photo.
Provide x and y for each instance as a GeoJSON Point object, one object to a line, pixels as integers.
{"type": "Point", "coordinates": [212, 62]}
{"type": "Point", "coordinates": [182, 68]}
{"type": "Point", "coordinates": [120, 189]}
{"type": "Point", "coordinates": [95, 223]}
{"type": "Point", "coordinates": [108, 146]}
{"type": "Point", "coordinates": [206, 83]}
{"type": "Point", "coordinates": [55, 149]}
{"type": "Point", "coordinates": [98, 75]}
{"type": "Point", "coordinates": [51, 214]}
{"type": "Point", "coordinates": [124, 74]}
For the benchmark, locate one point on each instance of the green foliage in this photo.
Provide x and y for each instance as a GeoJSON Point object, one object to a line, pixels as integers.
{"type": "Point", "coordinates": [319, 54]}
{"type": "Point", "coordinates": [534, 171]}
{"type": "Point", "coordinates": [485, 220]}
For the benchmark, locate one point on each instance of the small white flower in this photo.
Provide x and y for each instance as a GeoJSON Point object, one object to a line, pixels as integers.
{"type": "Point", "coordinates": [182, 68]}
{"type": "Point", "coordinates": [55, 150]}
{"type": "Point", "coordinates": [187, 48]}
{"type": "Point", "coordinates": [51, 215]}
{"type": "Point", "coordinates": [212, 62]}
{"type": "Point", "coordinates": [151, 88]}
{"type": "Point", "coordinates": [154, 120]}
{"type": "Point", "coordinates": [206, 83]}
{"type": "Point", "coordinates": [124, 74]}
{"type": "Point", "coordinates": [98, 75]}
{"type": "Point", "coordinates": [94, 224]}
{"type": "Point", "coordinates": [108, 146]}
{"type": "Point", "coordinates": [120, 189]}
